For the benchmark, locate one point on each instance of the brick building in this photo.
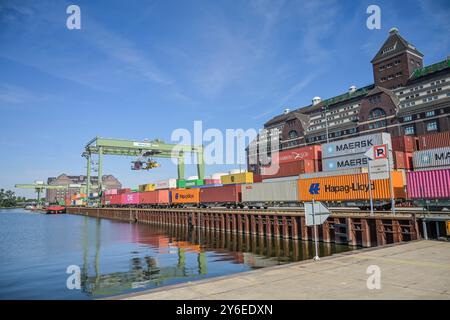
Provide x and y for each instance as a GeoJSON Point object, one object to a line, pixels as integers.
{"type": "Point", "coordinates": [53, 196]}
{"type": "Point", "coordinates": [406, 98]}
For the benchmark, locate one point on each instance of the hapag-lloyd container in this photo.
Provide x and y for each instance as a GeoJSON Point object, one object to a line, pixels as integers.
{"type": "Point", "coordinates": [296, 154]}
{"type": "Point", "coordinates": [283, 191]}
{"type": "Point", "coordinates": [223, 194]}
{"type": "Point", "coordinates": [155, 197]}
{"type": "Point", "coordinates": [432, 158]}
{"type": "Point", "coordinates": [350, 188]}
{"type": "Point", "coordinates": [350, 161]}
{"type": "Point", "coordinates": [130, 198]}
{"type": "Point", "coordinates": [166, 184]}
{"type": "Point", "coordinates": [431, 184]}
{"type": "Point", "coordinates": [183, 196]}
{"type": "Point", "coordinates": [434, 140]}
{"type": "Point", "coordinates": [355, 145]}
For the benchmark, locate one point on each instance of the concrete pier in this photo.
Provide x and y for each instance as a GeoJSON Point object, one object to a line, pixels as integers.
{"type": "Point", "coordinates": [413, 270]}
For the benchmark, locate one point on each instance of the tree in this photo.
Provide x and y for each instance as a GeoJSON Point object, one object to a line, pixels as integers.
{"type": "Point", "coordinates": [7, 198]}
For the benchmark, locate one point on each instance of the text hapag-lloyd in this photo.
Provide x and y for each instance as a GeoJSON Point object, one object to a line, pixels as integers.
{"type": "Point", "coordinates": [355, 145]}
{"type": "Point", "coordinates": [355, 186]}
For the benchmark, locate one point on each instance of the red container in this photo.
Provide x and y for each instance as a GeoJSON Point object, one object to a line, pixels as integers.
{"type": "Point", "coordinates": [154, 197]}
{"type": "Point", "coordinates": [432, 184]}
{"type": "Point", "coordinates": [434, 140]}
{"type": "Point", "coordinates": [130, 198]}
{"type": "Point", "coordinates": [404, 144]}
{"type": "Point", "coordinates": [122, 191]}
{"type": "Point", "coordinates": [290, 169]}
{"type": "Point", "coordinates": [257, 178]}
{"type": "Point", "coordinates": [223, 194]}
{"type": "Point", "coordinates": [302, 153]}
{"type": "Point", "coordinates": [399, 160]}
{"type": "Point", "coordinates": [116, 199]}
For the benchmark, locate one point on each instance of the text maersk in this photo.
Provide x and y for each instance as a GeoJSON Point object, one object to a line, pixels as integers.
{"type": "Point", "coordinates": [355, 145]}
{"type": "Point", "coordinates": [354, 187]}
{"type": "Point", "coordinates": [351, 163]}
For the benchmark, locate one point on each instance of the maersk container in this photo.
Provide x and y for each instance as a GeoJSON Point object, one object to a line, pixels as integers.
{"type": "Point", "coordinates": [166, 184]}
{"type": "Point", "coordinates": [130, 198]}
{"type": "Point", "coordinates": [270, 192]}
{"type": "Point", "coordinates": [160, 197]}
{"type": "Point", "coordinates": [357, 145]}
{"type": "Point", "coordinates": [433, 158]}
{"type": "Point", "coordinates": [432, 184]}
{"type": "Point", "coordinates": [434, 140]}
{"type": "Point", "coordinates": [229, 194]}
{"type": "Point", "coordinates": [350, 161]}
{"type": "Point", "coordinates": [348, 188]}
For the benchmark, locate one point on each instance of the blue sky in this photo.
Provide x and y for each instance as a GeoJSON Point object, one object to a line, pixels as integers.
{"type": "Point", "coordinates": [140, 69]}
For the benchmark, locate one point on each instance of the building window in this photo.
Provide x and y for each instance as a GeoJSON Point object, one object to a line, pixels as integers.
{"type": "Point", "coordinates": [407, 118]}
{"type": "Point", "coordinates": [376, 113]}
{"type": "Point", "coordinates": [409, 130]}
{"type": "Point", "coordinates": [430, 113]}
{"type": "Point", "coordinates": [293, 134]}
{"type": "Point", "coordinates": [432, 126]}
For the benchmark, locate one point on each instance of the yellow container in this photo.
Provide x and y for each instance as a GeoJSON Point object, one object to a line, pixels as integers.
{"type": "Point", "coordinates": [350, 187]}
{"type": "Point", "coordinates": [237, 178]}
{"type": "Point", "coordinates": [146, 187]}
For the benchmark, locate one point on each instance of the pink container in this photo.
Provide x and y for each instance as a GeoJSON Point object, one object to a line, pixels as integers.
{"type": "Point", "coordinates": [130, 198]}
{"type": "Point", "coordinates": [433, 184]}
{"type": "Point", "coordinates": [110, 192]}
{"type": "Point", "coordinates": [212, 181]}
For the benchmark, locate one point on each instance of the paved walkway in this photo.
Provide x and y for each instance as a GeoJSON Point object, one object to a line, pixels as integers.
{"type": "Point", "coordinates": [414, 270]}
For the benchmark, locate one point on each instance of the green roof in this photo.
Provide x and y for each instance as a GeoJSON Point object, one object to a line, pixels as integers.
{"type": "Point", "coordinates": [431, 69]}
{"type": "Point", "coordinates": [348, 95]}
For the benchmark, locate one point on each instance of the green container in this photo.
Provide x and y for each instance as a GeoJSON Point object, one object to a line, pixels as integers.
{"type": "Point", "coordinates": [194, 183]}
{"type": "Point", "coordinates": [181, 183]}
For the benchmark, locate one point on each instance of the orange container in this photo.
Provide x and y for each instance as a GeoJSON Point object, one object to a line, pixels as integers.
{"type": "Point", "coordinates": [186, 195]}
{"type": "Point", "coordinates": [350, 187]}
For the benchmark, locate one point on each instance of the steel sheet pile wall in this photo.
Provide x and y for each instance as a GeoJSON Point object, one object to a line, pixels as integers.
{"type": "Point", "coordinates": [350, 187]}
{"type": "Point", "coordinates": [283, 191]}
{"type": "Point", "coordinates": [432, 184]}
{"type": "Point", "coordinates": [349, 153]}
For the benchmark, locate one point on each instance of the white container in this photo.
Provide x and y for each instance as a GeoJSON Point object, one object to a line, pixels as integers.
{"type": "Point", "coordinates": [192, 178]}
{"type": "Point", "coordinates": [351, 161]}
{"type": "Point", "coordinates": [432, 158]}
{"type": "Point", "coordinates": [217, 175]}
{"type": "Point", "coordinates": [275, 192]}
{"type": "Point", "coordinates": [166, 184]}
{"type": "Point", "coordinates": [291, 178]}
{"type": "Point", "coordinates": [357, 145]}
{"type": "Point", "coordinates": [332, 173]}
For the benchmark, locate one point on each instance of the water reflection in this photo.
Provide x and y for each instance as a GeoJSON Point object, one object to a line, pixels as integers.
{"type": "Point", "coordinates": [168, 254]}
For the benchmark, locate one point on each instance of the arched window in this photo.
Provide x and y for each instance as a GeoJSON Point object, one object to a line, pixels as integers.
{"type": "Point", "coordinates": [376, 113]}
{"type": "Point", "coordinates": [293, 134]}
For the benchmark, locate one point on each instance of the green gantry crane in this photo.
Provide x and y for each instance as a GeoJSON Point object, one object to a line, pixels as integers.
{"type": "Point", "coordinates": [155, 148]}
{"type": "Point", "coordinates": [39, 187]}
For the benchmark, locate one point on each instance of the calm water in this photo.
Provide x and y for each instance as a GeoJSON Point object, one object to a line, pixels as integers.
{"type": "Point", "coordinates": [119, 257]}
